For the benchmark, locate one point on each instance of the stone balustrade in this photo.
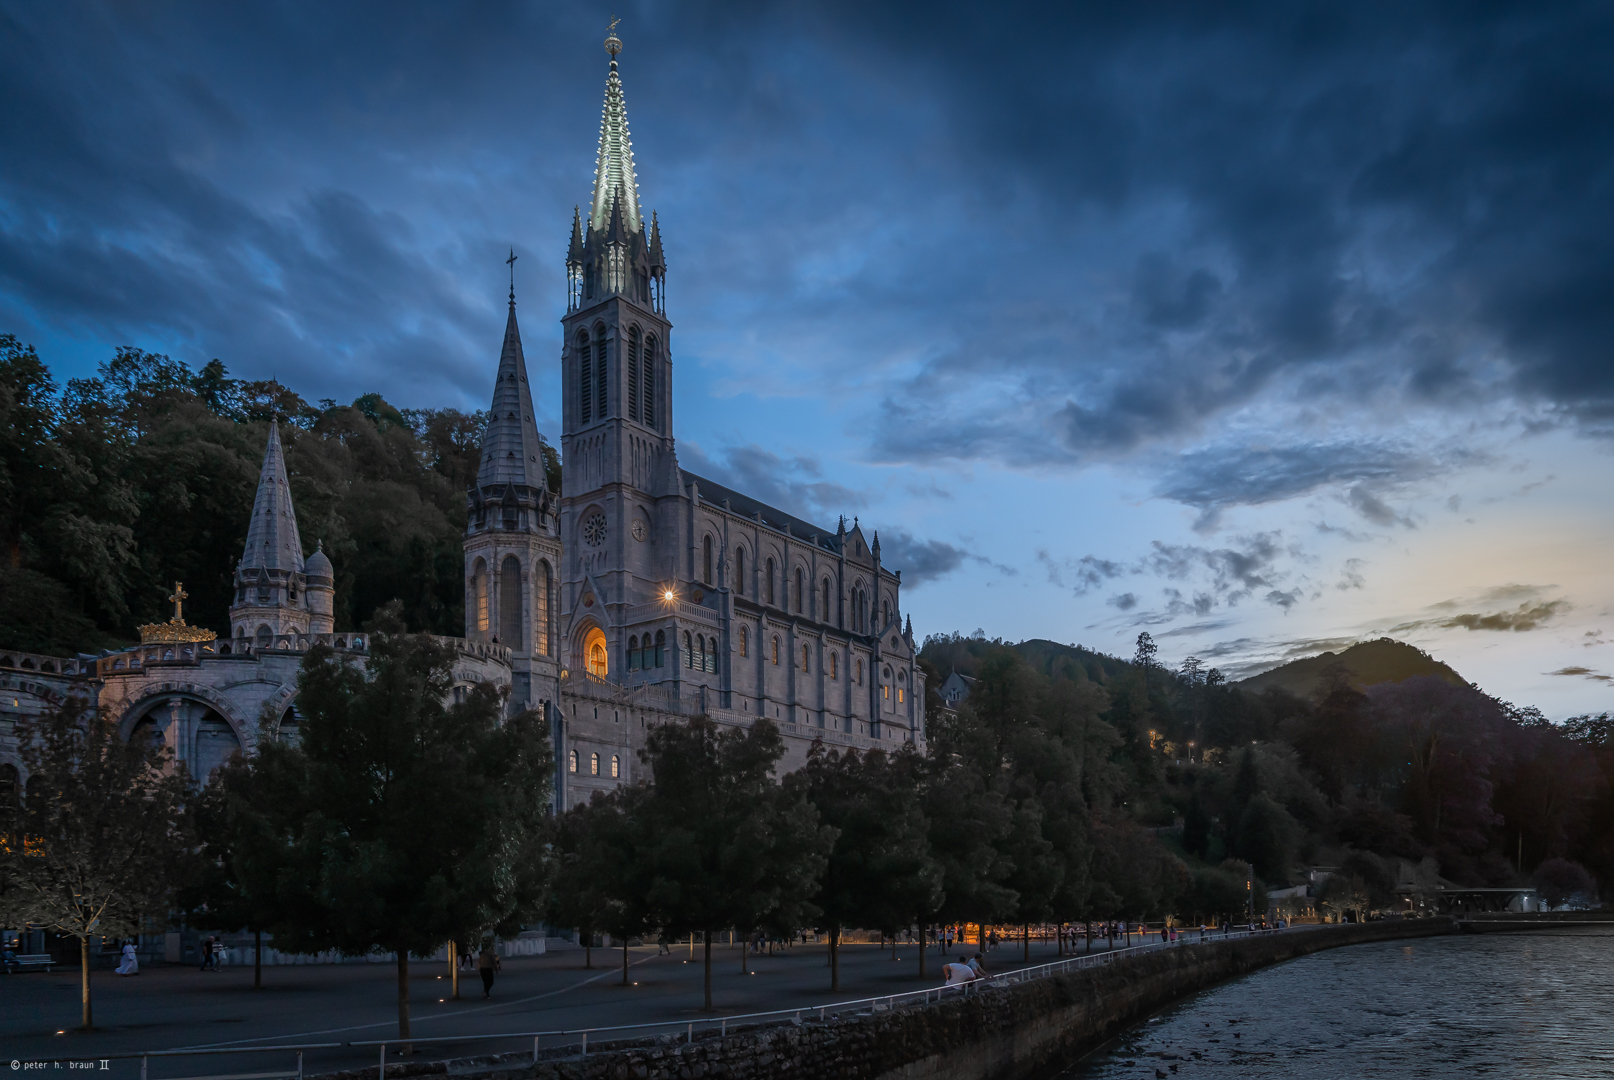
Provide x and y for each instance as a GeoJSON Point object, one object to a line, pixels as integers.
{"type": "Point", "coordinates": [10, 659]}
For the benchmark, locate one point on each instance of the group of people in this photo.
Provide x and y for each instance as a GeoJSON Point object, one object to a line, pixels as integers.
{"type": "Point", "coordinates": [487, 964]}
{"type": "Point", "coordinates": [965, 971]}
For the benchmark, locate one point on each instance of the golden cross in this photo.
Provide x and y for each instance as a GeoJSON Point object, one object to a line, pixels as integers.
{"type": "Point", "coordinates": [178, 600]}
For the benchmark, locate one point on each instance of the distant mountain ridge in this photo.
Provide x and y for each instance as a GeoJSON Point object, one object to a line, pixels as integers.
{"type": "Point", "coordinates": [1369, 663]}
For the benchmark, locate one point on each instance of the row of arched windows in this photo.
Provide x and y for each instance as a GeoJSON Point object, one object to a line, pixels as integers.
{"type": "Point", "coordinates": [643, 654]}
{"type": "Point", "coordinates": [573, 762]}
{"type": "Point", "coordinates": [511, 614]}
{"type": "Point", "coordinates": [700, 652]}
{"type": "Point", "coordinates": [593, 381]}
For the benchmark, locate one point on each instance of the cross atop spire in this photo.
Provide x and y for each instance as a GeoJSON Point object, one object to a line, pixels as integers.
{"type": "Point", "coordinates": [511, 452]}
{"type": "Point", "coordinates": [511, 262]}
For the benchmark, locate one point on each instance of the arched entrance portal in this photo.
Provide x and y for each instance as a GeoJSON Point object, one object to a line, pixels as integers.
{"type": "Point", "coordinates": [196, 734]}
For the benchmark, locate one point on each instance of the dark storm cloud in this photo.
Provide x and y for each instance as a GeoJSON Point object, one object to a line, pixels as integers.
{"type": "Point", "coordinates": [1584, 673]}
{"type": "Point", "coordinates": [924, 561]}
{"type": "Point", "coordinates": [1514, 607]}
{"type": "Point", "coordinates": [1078, 247]}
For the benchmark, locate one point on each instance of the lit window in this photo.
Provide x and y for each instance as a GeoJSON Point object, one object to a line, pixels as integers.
{"type": "Point", "coordinates": [616, 766]}
{"type": "Point", "coordinates": [594, 764]}
{"type": "Point", "coordinates": [572, 761]}
{"type": "Point", "coordinates": [596, 660]}
{"type": "Point", "coordinates": [776, 648]}
{"type": "Point", "coordinates": [832, 665]}
{"type": "Point", "coordinates": [745, 641]}
{"type": "Point", "coordinates": [804, 657]}
{"type": "Point", "coordinates": [900, 695]}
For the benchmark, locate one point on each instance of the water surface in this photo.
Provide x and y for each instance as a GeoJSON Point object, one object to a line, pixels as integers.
{"type": "Point", "coordinates": [1526, 1004]}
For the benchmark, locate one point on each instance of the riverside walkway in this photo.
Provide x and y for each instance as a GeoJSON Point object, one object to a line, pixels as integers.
{"type": "Point", "coordinates": [171, 1007]}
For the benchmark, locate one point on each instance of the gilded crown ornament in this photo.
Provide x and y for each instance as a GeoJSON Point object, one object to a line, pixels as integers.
{"type": "Point", "coordinates": [174, 631]}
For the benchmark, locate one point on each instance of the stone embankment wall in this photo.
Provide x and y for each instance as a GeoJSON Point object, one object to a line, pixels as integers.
{"type": "Point", "coordinates": [1004, 1033]}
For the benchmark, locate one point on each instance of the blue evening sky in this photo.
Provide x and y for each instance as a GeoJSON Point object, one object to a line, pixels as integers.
{"type": "Point", "coordinates": [1263, 328]}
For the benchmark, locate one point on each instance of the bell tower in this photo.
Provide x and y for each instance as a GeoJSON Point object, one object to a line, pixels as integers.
{"type": "Point", "coordinates": [620, 473]}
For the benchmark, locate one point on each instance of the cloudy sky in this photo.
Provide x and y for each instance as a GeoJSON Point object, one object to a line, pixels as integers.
{"type": "Point", "coordinates": [1261, 328]}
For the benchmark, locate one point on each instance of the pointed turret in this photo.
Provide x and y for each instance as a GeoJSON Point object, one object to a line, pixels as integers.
{"type": "Point", "coordinates": [658, 262]}
{"type": "Point", "coordinates": [511, 451]}
{"type": "Point", "coordinates": [270, 580]}
{"type": "Point", "coordinates": [574, 254]}
{"type": "Point", "coordinates": [272, 540]}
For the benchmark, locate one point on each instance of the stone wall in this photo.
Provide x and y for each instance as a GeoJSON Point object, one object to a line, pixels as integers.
{"type": "Point", "coordinates": [1003, 1033]}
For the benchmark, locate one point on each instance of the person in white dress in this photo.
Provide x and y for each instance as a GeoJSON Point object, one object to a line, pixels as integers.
{"type": "Point", "coordinates": [130, 965]}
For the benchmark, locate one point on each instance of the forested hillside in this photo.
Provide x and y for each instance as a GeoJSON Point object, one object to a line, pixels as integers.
{"type": "Point", "coordinates": [111, 488]}
{"type": "Point", "coordinates": [1422, 774]}
{"type": "Point", "coordinates": [1367, 663]}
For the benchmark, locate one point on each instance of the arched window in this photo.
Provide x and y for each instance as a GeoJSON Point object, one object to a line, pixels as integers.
{"type": "Point", "coordinates": [806, 655]}
{"type": "Point", "coordinates": [798, 590]}
{"type": "Point", "coordinates": [745, 641]}
{"type": "Point", "coordinates": [649, 388]}
{"type": "Point", "coordinates": [689, 651]}
{"type": "Point", "coordinates": [510, 603]}
{"type": "Point", "coordinates": [600, 396]}
{"type": "Point", "coordinates": [542, 580]}
{"type": "Point", "coordinates": [661, 643]}
{"type": "Point", "coordinates": [571, 761]}
{"type": "Point", "coordinates": [633, 377]}
{"type": "Point", "coordinates": [860, 671]}
{"type": "Point", "coordinates": [711, 654]}
{"type": "Point", "coordinates": [597, 664]}
{"type": "Point", "coordinates": [832, 665]}
{"type": "Point", "coordinates": [479, 591]}
{"type": "Point", "coordinates": [585, 380]}
{"type": "Point", "coordinates": [264, 634]}
{"type": "Point", "coordinates": [594, 764]}
{"type": "Point", "coordinates": [828, 612]}
{"type": "Point", "coordinates": [768, 585]}
{"type": "Point", "coordinates": [616, 766]}
{"type": "Point", "coordinates": [700, 652]}
{"type": "Point", "coordinates": [885, 614]}
{"type": "Point", "coordinates": [633, 652]}
{"type": "Point", "coordinates": [739, 571]}
{"type": "Point", "coordinates": [776, 649]}
{"type": "Point", "coordinates": [707, 565]}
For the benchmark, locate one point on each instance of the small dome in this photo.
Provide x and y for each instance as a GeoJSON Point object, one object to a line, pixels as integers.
{"type": "Point", "coordinates": [318, 566]}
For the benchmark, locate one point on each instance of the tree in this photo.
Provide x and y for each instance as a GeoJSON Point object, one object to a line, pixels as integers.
{"type": "Point", "coordinates": [100, 838]}
{"type": "Point", "coordinates": [877, 871]}
{"type": "Point", "coordinates": [408, 818]}
{"type": "Point", "coordinates": [721, 843]}
{"type": "Point", "coordinates": [597, 879]}
{"type": "Point", "coordinates": [1560, 880]}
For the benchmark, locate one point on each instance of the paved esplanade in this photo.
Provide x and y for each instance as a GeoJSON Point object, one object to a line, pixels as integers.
{"type": "Point", "coordinates": [173, 1007]}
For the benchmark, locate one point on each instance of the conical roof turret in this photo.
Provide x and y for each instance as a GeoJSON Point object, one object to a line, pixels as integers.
{"type": "Point", "coordinates": [511, 450]}
{"type": "Point", "coordinates": [613, 172]}
{"type": "Point", "coordinates": [658, 261]}
{"type": "Point", "coordinates": [574, 254]}
{"type": "Point", "coordinates": [272, 539]}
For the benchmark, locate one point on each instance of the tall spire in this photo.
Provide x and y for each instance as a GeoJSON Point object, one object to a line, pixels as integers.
{"type": "Point", "coordinates": [613, 173]}
{"type": "Point", "coordinates": [511, 451]}
{"type": "Point", "coordinates": [272, 540]}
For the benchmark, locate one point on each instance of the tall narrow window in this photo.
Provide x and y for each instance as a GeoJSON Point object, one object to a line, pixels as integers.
{"type": "Point", "coordinates": [510, 603]}
{"type": "Point", "coordinates": [770, 581]}
{"type": "Point", "coordinates": [633, 653]}
{"type": "Point", "coordinates": [832, 665]}
{"type": "Point", "coordinates": [827, 612]}
{"type": "Point", "coordinates": [633, 373]}
{"type": "Point", "coordinates": [541, 581]}
{"type": "Point", "coordinates": [661, 643]}
{"type": "Point", "coordinates": [585, 379]}
{"type": "Point", "coordinates": [885, 614]}
{"type": "Point", "coordinates": [805, 656]}
{"type": "Point", "coordinates": [739, 571]}
{"type": "Point", "coordinates": [649, 387]}
{"type": "Point", "coordinates": [860, 672]}
{"type": "Point", "coordinates": [600, 379]}
{"type": "Point", "coordinates": [594, 764]}
{"type": "Point", "coordinates": [798, 590]}
{"type": "Point", "coordinates": [689, 652]}
{"type": "Point", "coordinates": [745, 641]}
{"type": "Point", "coordinates": [479, 586]}
{"type": "Point", "coordinates": [571, 761]}
{"type": "Point", "coordinates": [700, 652]}
{"type": "Point", "coordinates": [776, 649]}
{"type": "Point", "coordinates": [616, 766]}
{"type": "Point", "coordinates": [707, 565]}
{"type": "Point", "coordinates": [711, 655]}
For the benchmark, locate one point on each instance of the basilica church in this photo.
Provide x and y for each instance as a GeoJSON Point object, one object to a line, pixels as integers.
{"type": "Point", "coordinates": [638, 594]}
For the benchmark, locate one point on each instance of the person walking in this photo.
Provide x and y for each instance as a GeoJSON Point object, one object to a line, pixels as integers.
{"type": "Point", "coordinates": [486, 965]}
{"type": "Point", "coordinates": [207, 954]}
{"type": "Point", "coordinates": [131, 963]}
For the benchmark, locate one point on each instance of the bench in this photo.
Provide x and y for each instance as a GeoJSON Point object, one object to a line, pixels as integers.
{"type": "Point", "coordinates": [30, 960]}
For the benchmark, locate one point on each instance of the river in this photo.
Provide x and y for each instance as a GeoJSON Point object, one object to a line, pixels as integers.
{"type": "Point", "coordinates": [1532, 1004]}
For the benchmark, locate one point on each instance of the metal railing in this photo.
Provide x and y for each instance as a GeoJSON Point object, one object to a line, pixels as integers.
{"type": "Point", "coordinates": [720, 1024]}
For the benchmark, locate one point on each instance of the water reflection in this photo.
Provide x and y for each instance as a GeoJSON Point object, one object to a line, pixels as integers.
{"type": "Point", "coordinates": [1535, 1004]}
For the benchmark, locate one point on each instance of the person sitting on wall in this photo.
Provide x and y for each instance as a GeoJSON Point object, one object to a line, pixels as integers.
{"type": "Point", "coordinates": [958, 974]}
{"type": "Point", "coordinates": [977, 965]}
